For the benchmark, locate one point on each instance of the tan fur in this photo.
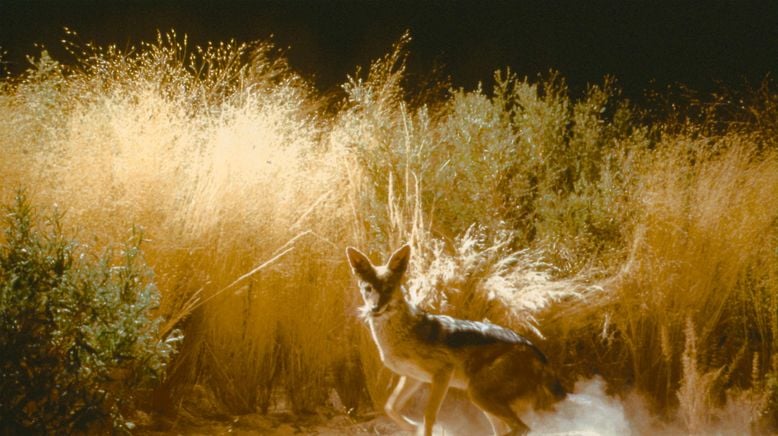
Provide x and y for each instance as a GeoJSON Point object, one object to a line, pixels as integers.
{"type": "Point", "coordinates": [501, 371]}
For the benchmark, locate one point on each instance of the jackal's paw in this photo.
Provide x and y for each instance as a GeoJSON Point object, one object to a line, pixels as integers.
{"type": "Point", "coordinates": [412, 427]}
{"type": "Point", "coordinates": [407, 425]}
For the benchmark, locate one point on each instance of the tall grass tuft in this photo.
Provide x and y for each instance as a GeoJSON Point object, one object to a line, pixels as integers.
{"type": "Point", "coordinates": [215, 151]}
{"type": "Point", "coordinates": [703, 250]}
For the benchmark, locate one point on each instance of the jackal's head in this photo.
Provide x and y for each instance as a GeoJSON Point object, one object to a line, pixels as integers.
{"type": "Point", "coordinates": [379, 285]}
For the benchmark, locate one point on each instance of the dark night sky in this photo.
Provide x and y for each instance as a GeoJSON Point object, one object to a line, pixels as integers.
{"type": "Point", "coordinates": [696, 43]}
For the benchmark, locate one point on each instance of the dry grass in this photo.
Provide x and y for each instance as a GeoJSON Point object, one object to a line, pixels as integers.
{"type": "Point", "coordinates": [645, 251]}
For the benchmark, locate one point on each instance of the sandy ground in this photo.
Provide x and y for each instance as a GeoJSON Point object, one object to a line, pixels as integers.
{"type": "Point", "coordinates": [199, 414]}
{"type": "Point", "coordinates": [274, 425]}
{"type": "Point", "coordinates": [587, 411]}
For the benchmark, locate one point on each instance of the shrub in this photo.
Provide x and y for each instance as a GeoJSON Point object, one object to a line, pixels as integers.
{"type": "Point", "coordinates": [78, 333]}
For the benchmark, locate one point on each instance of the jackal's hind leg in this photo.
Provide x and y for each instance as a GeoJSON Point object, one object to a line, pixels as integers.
{"type": "Point", "coordinates": [497, 408]}
{"type": "Point", "coordinates": [405, 388]}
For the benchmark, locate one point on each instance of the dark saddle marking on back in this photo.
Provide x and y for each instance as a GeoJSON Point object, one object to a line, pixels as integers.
{"type": "Point", "coordinates": [457, 333]}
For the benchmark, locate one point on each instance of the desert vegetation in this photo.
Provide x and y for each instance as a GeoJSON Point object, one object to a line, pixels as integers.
{"type": "Point", "coordinates": [636, 242]}
{"type": "Point", "coordinates": [79, 335]}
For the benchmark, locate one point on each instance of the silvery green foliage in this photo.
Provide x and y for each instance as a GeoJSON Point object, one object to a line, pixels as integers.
{"type": "Point", "coordinates": [78, 333]}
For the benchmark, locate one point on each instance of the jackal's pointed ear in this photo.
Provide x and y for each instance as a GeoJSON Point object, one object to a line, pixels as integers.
{"type": "Point", "coordinates": [398, 263]}
{"type": "Point", "coordinates": [360, 264]}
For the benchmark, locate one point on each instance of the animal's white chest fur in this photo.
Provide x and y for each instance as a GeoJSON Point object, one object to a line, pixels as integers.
{"type": "Point", "coordinates": [395, 355]}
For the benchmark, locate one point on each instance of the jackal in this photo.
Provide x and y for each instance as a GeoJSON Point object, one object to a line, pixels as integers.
{"type": "Point", "coordinates": [503, 373]}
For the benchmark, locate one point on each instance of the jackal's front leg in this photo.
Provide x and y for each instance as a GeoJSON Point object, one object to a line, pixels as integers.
{"type": "Point", "coordinates": [438, 389]}
{"type": "Point", "coordinates": [405, 388]}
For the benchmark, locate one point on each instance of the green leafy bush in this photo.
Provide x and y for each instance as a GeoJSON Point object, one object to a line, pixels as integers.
{"type": "Point", "coordinates": [78, 334]}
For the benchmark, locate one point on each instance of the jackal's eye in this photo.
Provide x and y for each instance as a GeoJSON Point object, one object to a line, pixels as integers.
{"type": "Point", "coordinates": [367, 288]}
